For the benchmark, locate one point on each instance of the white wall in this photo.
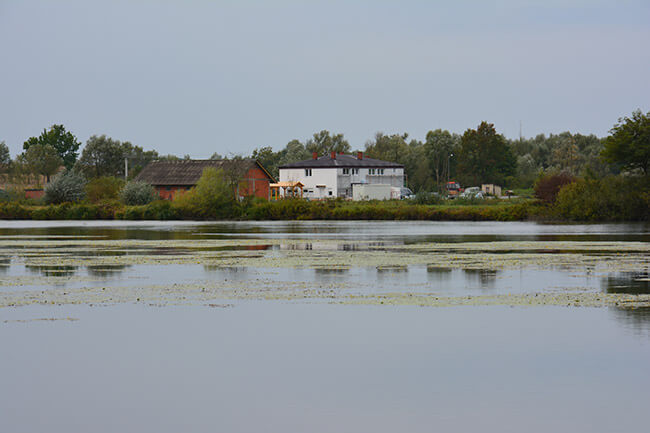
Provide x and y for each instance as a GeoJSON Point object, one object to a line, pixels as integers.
{"type": "Point", "coordinates": [319, 176]}
{"type": "Point", "coordinates": [333, 178]}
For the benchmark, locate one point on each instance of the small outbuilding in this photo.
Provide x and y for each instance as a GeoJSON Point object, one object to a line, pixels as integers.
{"type": "Point", "coordinates": [491, 189]}
{"type": "Point", "coordinates": [171, 177]}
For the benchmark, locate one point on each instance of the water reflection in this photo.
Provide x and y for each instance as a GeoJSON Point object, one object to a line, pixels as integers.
{"type": "Point", "coordinates": [106, 270]}
{"type": "Point", "coordinates": [52, 270]}
{"type": "Point", "coordinates": [631, 283]}
{"type": "Point", "coordinates": [331, 271]}
{"type": "Point", "coordinates": [485, 277]}
{"type": "Point", "coordinates": [5, 264]}
{"type": "Point", "coordinates": [637, 319]}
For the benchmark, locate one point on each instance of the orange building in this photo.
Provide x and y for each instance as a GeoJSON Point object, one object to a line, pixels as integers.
{"type": "Point", "coordinates": [170, 177]}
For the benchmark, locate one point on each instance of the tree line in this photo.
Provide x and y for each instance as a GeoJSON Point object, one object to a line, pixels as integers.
{"type": "Point", "coordinates": [477, 156]}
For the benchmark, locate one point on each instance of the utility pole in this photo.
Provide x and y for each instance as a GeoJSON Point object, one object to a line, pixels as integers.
{"type": "Point", "coordinates": [126, 168]}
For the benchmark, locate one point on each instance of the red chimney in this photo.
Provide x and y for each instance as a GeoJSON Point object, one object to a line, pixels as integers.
{"type": "Point", "coordinates": [333, 155]}
{"type": "Point", "coordinates": [359, 155]}
{"type": "Point", "coordinates": [340, 153]}
{"type": "Point", "coordinates": [314, 155]}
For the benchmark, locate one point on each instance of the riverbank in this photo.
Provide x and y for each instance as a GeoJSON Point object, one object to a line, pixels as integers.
{"type": "Point", "coordinates": [260, 210]}
{"type": "Point", "coordinates": [504, 210]}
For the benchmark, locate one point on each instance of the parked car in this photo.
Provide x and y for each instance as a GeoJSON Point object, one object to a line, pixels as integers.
{"type": "Point", "coordinates": [472, 192]}
{"type": "Point", "coordinates": [405, 193]}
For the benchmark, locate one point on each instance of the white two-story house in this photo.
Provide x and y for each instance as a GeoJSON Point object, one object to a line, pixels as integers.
{"type": "Point", "coordinates": [333, 175]}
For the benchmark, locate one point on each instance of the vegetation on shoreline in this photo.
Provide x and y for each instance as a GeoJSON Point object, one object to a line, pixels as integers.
{"type": "Point", "coordinates": [574, 178]}
{"type": "Point", "coordinates": [489, 210]}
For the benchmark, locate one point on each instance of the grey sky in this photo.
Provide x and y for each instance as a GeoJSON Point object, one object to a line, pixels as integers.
{"type": "Point", "coordinates": [229, 76]}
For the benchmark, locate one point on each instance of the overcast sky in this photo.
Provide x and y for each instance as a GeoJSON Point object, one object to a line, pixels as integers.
{"type": "Point", "coordinates": [197, 77]}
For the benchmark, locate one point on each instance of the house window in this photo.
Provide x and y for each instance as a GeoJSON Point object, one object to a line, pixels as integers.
{"type": "Point", "coordinates": [308, 172]}
{"type": "Point", "coordinates": [346, 171]}
{"type": "Point", "coordinates": [330, 192]}
{"type": "Point", "coordinates": [355, 171]}
{"type": "Point", "coordinates": [380, 170]}
{"type": "Point", "coordinates": [371, 171]}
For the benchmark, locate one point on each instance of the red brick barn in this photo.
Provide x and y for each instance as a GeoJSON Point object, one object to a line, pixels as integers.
{"type": "Point", "coordinates": [170, 177]}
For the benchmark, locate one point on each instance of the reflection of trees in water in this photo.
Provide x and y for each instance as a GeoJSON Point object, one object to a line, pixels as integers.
{"type": "Point", "coordinates": [637, 319]}
{"type": "Point", "coordinates": [52, 270]}
{"type": "Point", "coordinates": [331, 271]}
{"type": "Point", "coordinates": [5, 263]}
{"type": "Point", "coordinates": [106, 270]}
{"type": "Point", "coordinates": [631, 283]}
{"type": "Point", "coordinates": [226, 270]}
{"type": "Point", "coordinates": [486, 277]}
{"type": "Point", "coordinates": [392, 268]}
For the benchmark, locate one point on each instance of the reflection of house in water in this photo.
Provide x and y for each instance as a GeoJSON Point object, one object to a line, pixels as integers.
{"type": "Point", "coordinates": [333, 246]}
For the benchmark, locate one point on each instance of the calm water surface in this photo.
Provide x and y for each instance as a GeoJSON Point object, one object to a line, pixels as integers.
{"type": "Point", "coordinates": [287, 366]}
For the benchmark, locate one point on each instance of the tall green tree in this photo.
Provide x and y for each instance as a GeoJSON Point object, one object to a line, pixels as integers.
{"type": "Point", "coordinates": [323, 143]}
{"type": "Point", "coordinates": [65, 144]}
{"type": "Point", "coordinates": [628, 144]}
{"type": "Point", "coordinates": [102, 156]}
{"type": "Point", "coordinates": [439, 147]}
{"type": "Point", "coordinates": [393, 148]}
{"type": "Point", "coordinates": [485, 157]}
{"type": "Point", "coordinates": [41, 159]}
{"type": "Point", "coordinates": [5, 157]}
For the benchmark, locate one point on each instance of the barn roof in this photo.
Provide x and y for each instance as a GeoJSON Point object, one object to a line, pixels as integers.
{"type": "Point", "coordinates": [342, 160]}
{"type": "Point", "coordinates": [189, 171]}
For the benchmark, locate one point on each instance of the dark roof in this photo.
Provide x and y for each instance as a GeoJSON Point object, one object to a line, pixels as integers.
{"type": "Point", "coordinates": [342, 160]}
{"type": "Point", "coordinates": [189, 171]}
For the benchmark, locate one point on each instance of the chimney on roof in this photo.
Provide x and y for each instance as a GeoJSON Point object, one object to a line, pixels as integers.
{"type": "Point", "coordinates": [314, 155]}
{"type": "Point", "coordinates": [333, 155]}
{"type": "Point", "coordinates": [359, 155]}
{"type": "Point", "coordinates": [341, 153]}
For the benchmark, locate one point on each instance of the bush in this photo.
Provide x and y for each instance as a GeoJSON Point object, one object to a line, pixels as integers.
{"type": "Point", "coordinates": [614, 198]}
{"type": "Point", "coordinates": [211, 198]}
{"type": "Point", "coordinates": [67, 187]}
{"type": "Point", "coordinates": [547, 186]}
{"type": "Point", "coordinates": [138, 193]}
{"type": "Point", "coordinates": [104, 188]}
{"type": "Point", "coordinates": [426, 198]}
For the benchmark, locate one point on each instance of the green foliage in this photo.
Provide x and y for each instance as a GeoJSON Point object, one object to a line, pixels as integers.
{"type": "Point", "coordinates": [429, 198]}
{"type": "Point", "coordinates": [323, 143]}
{"type": "Point", "coordinates": [629, 143]}
{"type": "Point", "coordinates": [102, 156]}
{"type": "Point", "coordinates": [213, 197]}
{"type": "Point", "coordinates": [104, 188]}
{"type": "Point", "coordinates": [5, 157]}
{"type": "Point", "coordinates": [137, 193]}
{"type": "Point", "coordinates": [484, 157]}
{"type": "Point", "coordinates": [439, 147]}
{"type": "Point", "coordinates": [548, 185]}
{"type": "Point", "coordinates": [14, 211]}
{"type": "Point", "coordinates": [66, 187]}
{"type": "Point", "coordinates": [65, 144]}
{"type": "Point", "coordinates": [41, 159]}
{"type": "Point", "coordinates": [614, 198]}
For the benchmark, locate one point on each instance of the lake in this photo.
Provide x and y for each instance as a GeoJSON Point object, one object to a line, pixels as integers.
{"type": "Point", "coordinates": [324, 326]}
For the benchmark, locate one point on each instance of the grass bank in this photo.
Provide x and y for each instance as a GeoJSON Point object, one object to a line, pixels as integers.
{"type": "Point", "coordinates": [281, 210]}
